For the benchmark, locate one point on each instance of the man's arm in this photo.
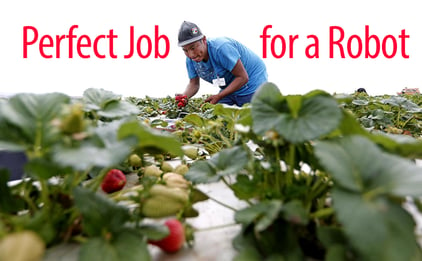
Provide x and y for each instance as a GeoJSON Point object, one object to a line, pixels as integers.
{"type": "Point", "coordinates": [241, 78]}
{"type": "Point", "coordinates": [192, 88]}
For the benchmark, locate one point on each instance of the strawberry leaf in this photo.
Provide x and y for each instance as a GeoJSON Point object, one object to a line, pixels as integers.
{"type": "Point", "coordinates": [391, 235]}
{"type": "Point", "coordinates": [357, 164]}
{"type": "Point", "coordinates": [226, 162]}
{"type": "Point", "coordinates": [26, 121]}
{"type": "Point", "coordinates": [296, 118]}
{"type": "Point", "coordinates": [103, 150]}
{"type": "Point", "coordinates": [94, 207]}
{"type": "Point", "coordinates": [125, 245]}
{"type": "Point", "coordinates": [107, 104]}
{"type": "Point", "coordinates": [150, 140]}
{"type": "Point", "coordinates": [9, 203]}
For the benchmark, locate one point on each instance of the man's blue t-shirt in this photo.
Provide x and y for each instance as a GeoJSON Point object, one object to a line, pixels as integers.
{"type": "Point", "coordinates": [223, 55]}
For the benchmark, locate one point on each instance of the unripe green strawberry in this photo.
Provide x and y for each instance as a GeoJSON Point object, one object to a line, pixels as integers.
{"type": "Point", "coordinates": [176, 194]}
{"type": "Point", "coordinates": [166, 167]}
{"type": "Point", "coordinates": [175, 180]}
{"type": "Point", "coordinates": [160, 206]}
{"type": "Point", "coordinates": [24, 245]}
{"type": "Point", "coordinates": [181, 169]}
{"type": "Point", "coordinates": [135, 160]}
{"type": "Point", "coordinates": [152, 170]}
{"type": "Point", "coordinates": [176, 238]}
{"type": "Point", "coordinates": [191, 152]}
{"type": "Point", "coordinates": [73, 121]}
{"type": "Point", "coordinates": [197, 134]}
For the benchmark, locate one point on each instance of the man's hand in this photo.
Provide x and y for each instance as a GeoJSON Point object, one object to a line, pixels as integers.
{"type": "Point", "coordinates": [213, 99]}
{"type": "Point", "coordinates": [181, 100]}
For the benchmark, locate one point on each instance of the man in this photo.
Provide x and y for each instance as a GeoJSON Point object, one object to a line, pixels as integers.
{"type": "Point", "coordinates": [224, 62]}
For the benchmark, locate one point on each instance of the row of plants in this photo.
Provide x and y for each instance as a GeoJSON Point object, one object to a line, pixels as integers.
{"type": "Point", "coordinates": [392, 114]}
{"type": "Point", "coordinates": [79, 155]}
{"type": "Point", "coordinates": [327, 179]}
{"type": "Point", "coordinates": [319, 184]}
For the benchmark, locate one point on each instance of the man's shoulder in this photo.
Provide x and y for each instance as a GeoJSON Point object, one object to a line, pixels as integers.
{"type": "Point", "coordinates": [219, 41]}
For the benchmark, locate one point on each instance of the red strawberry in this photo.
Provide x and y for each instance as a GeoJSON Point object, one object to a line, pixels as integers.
{"type": "Point", "coordinates": [175, 240]}
{"type": "Point", "coordinates": [113, 181]}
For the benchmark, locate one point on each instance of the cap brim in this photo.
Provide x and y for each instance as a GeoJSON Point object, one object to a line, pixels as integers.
{"type": "Point", "coordinates": [190, 40]}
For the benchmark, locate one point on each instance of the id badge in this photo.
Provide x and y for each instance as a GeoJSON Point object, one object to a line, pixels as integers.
{"type": "Point", "coordinates": [219, 82]}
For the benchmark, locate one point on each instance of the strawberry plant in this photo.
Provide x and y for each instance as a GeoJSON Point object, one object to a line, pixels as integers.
{"type": "Point", "coordinates": [214, 129]}
{"type": "Point", "coordinates": [73, 145]}
{"type": "Point", "coordinates": [318, 185]}
{"type": "Point", "coordinates": [168, 107]}
{"type": "Point", "coordinates": [390, 114]}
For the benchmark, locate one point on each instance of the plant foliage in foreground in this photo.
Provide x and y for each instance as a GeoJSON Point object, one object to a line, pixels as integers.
{"type": "Point", "coordinates": [70, 145]}
{"type": "Point", "coordinates": [338, 193]}
{"type": "Point", "coordinates": [327, 177]}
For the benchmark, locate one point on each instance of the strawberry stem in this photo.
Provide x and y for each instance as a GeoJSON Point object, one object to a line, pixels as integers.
{"type": "Point", "coordinates": [221, 203]}
{"type": "Point", "coordinates": [215, 227]}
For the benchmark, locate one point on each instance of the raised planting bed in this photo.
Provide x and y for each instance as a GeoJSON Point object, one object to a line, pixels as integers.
{"type": "Point", "coordinates": [297, 177]}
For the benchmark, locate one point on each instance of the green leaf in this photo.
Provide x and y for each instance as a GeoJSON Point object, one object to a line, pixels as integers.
{"type": "Point", "coordinates": [107, 104]}
{"type": "Point", "coordinates": [96, 99]}
{"type": "Point", "coordinates": [196, 120]}
{"type": "Point", "coordinates": [125, 246]}
{"type": "Point", "coordinates": [245, 188]}
{"type": "Point", "coordinates": [154, 231]}
{"type": "Point", "coordinates": [89, 156]}
{"type": "Point", "coordinates": [349, 125]}
{"type": "Point", "coordinates": [294, 212]}
{"type": "Point", "coordinates": [399, 101]}
{"type": "Point", "coordinates": [118, 109]}
{"type": "Point", "coordinates": [331, 236]}
{"type": "Point", "coordinates": [268, 107]}
{"type": "Point", "coordinates": [296, 118]}
{"type": "Point", "coordinates": [245, 245]}
{"type": "Point", "coordinates": [26, 120]}
{"type": "Point", "coordinates": [202, 172]}
{"type": "Point", "coordinates": [337, 253]}
{"type": "Point", "coordinates": [378, 228]}
{"type": "Point", "coordinates": [360, 102]}
{"type": "Point", "coordinates": [231, 114]}
{"type": "Point", "coordinates": [263, 214]}
{"type": "Point", "coordinates": [197, 195]}
{"type": "Point", "coordinates": [8, 202]}
{"type": "Point", "coordinates": [94, 207]}
{"type": "Point", "coordinates": [248, 254]}
{"type": "Point", "coordinates": [103, 150]}
{"type": "Point", "coordinates": [42, 169]}
{"type": "Point", "coordinates": [150, 139]}
{"type": "Point", "coordinates": [226, 162]}
{"type": "Point", "coordinates": [402, 145]}
{"type": "Point", "coordinates": [357, 164]}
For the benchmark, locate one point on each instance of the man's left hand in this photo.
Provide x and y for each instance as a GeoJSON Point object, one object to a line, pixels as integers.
{"type": "Point", "coordinates": [213, 99]}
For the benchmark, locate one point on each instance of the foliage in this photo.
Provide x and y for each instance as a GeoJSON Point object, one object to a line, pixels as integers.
{"type": "Point", "coordinates": [324, 177]}
{"type": "Point", "coordinates": [318, 184]}
{"type": "Point", "coordinates": [168, 106]}
{"type": "Point", "coordinates": [390, 114]}
{"type": "Point", "coordinates": [70, 144]}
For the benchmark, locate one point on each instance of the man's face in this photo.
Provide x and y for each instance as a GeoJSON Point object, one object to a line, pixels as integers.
{"type": "Point", "coordinates": [197, 51]}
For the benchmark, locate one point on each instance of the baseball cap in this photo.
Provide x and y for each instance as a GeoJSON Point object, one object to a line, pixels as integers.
{"type": "Point", "coordinates": [189, 33]}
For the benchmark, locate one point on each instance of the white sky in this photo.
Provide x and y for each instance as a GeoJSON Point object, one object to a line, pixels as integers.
{"type": "Point", "coordinates": [241, 20]}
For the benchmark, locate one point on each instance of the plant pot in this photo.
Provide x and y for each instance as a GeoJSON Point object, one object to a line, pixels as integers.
{"type": "Point", "coordinates": [13, 162]}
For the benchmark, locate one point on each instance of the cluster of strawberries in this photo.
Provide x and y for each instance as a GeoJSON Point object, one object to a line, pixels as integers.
{"type": "Point", "coordinates": [115, 180]}
{"type": "Point", "coordinates": [181, 100]}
